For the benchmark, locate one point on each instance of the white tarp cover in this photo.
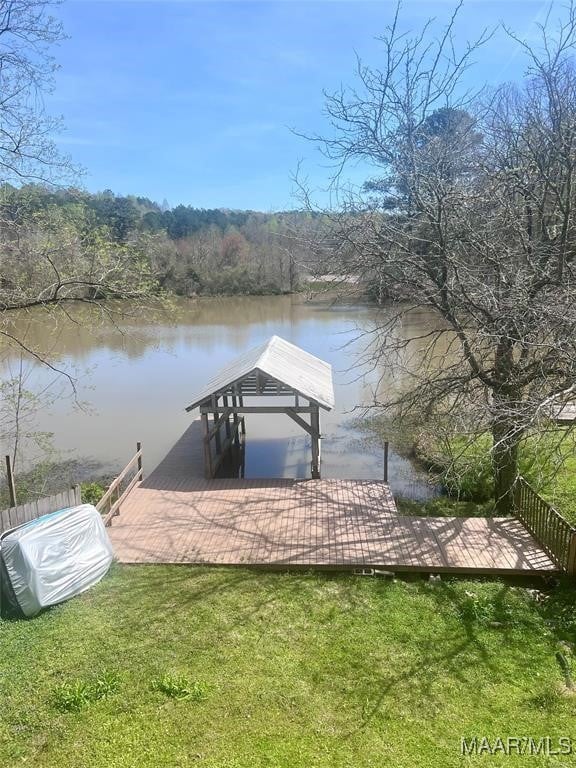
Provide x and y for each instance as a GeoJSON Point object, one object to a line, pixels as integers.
{"type": "Point", "coordinates": [55, 557]}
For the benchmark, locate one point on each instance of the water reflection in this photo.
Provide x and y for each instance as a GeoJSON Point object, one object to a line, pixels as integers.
{"type": "Point", "coordinates": [137, 384]}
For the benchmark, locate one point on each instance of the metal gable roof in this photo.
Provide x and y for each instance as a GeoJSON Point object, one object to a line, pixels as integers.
{"type": "Point", "coordinates": [285, 362]}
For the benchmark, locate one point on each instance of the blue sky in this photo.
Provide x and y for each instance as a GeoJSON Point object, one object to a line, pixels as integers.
{"type": "Point", "coordinates": [194, 101]}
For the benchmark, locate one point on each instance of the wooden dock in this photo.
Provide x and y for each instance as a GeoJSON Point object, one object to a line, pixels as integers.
{"type": "Point", "coordinates": [177, 516]}
{"type": "Point", "coordinates": [566, 414]}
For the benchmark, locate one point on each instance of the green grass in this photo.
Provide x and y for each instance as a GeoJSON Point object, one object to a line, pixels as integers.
{"type": "Point", "coordinates": [560, 489]}
{"type": "Point", "coordinates": [547, 461]}
{"type": "Point", "coordinates": [172, 666]}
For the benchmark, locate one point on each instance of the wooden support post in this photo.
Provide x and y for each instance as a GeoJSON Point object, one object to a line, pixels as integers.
{"type": "Point", "coordinates": [10, 480]}
{"type": "Point", "coordinates": [386, 461]}
{"type": "Point", "coordinates": [207, 449]}
{"type": "Point", "coordinates": [138, 449]}
{"type": "Point", "coordinates": [227, 422]}
{"type": "Point", "coordinates": [517, 498]}
{"type": "Point", "coordinates": [217, 439]}
{"type": "Point", "coordinates": [315, 434]}
{"type": "Point", "coordinates": [242, 426]}
{"type": "Point", "coordinates": [299, 420]}
{"type": "Point", "coordinates": [235, 422]}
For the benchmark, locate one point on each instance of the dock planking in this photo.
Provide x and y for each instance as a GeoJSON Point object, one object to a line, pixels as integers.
{"type": "Point", "coordinates": [178, 516]}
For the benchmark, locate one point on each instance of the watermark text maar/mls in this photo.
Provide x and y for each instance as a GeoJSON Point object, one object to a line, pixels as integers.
{"type": "Point", "coordinates": [517, 745]}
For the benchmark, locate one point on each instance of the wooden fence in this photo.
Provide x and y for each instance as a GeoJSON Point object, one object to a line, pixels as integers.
{"type": "Point", "coordinates": [555, 534]}
{"type": "Point", "coordinates": [23, 513]}
{"type": "Point", "coordinates": [109, 505]}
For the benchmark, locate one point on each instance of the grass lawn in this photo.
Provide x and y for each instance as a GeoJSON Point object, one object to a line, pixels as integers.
{"type": "Point", "coordinates": [183, 666]}
{"type": "Point", "coordinates": [561, 489]}
{"type": "Point", "coordinates": [463, 465]}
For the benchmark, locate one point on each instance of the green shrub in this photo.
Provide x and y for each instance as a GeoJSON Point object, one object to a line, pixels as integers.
{"type": "Point", "coordinates": [75, 695]}
{"type": "Point", "coordinates": [106, 684]}
{"type": "Point", "coordinates": [179, 687]}
{"type": "Point", "coordinates": [72, 696]}
{"type": "Point", "coordinates": [92, 492]}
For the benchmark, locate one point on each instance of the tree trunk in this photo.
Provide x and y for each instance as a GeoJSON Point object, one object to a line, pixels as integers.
{"type": "Point", "coordinates": [505, 429]}
{"type": "Point", "coordinates": [505, 465]}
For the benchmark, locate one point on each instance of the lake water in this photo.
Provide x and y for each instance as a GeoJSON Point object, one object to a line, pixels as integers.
{"type": "Point", "coordinates": [136, 385]}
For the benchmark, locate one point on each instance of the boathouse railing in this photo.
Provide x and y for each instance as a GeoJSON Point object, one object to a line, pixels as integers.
{"type": "Point", "coordinates": [229, 440]}
{"type": "Point", "coordinates": [109, 505]}
{"type": "Point", "coordinates": [554, 533]}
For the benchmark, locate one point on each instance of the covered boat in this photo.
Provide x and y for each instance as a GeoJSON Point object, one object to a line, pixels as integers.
{"type": "Point", "coordinates": [53, 558]}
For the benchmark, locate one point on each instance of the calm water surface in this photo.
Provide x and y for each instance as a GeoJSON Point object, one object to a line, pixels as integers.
{"type": "Point", "coordinates": [136, 386]}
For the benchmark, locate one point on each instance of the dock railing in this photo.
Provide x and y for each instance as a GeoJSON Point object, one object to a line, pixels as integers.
{"type": "Point", "coordinates": [230, 445]}
{"type": "Point", "coordinates": [554, 533]}
{"type": "Point", "coordinates": [109, 505]}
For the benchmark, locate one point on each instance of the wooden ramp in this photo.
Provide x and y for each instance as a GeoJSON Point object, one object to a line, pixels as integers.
{"type": "Point", "coordinates": [176, 516]}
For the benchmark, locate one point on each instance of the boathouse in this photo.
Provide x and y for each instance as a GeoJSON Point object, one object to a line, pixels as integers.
{"type": "Point", "coordinates": [275, 377]}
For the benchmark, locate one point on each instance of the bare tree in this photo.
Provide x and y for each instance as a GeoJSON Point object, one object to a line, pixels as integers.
{"type": "Point", "coordinates": [469, 212]}
{"type": "Point", "coordinates": [28, 33]}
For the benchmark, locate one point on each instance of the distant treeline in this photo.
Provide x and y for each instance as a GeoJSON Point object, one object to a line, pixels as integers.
{"type": "Point", "coordinates": [189, 250]}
